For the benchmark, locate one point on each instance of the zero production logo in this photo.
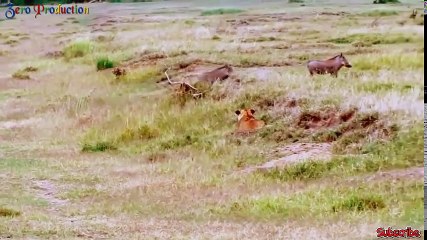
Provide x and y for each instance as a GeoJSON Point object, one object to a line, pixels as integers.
{"type": "Point", "coordinates": [39, 9]}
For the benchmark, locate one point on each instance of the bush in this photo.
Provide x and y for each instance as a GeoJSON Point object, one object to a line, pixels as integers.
{"type": "Point", "coordinates": [104, 63]}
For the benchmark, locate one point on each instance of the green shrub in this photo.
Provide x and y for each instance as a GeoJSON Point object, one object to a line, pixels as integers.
{"type": "Point", "coordinates": [104, 63]}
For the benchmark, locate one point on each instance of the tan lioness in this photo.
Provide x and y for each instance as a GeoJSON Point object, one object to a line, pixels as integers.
{"type": "Point", "coordinates": [220, 74]}
{"type": "Point", "coordinates": [246, 122]}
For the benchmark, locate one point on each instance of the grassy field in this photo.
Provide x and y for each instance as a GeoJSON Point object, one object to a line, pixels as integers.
{"type": "Point", "coordinates": [84, 154]}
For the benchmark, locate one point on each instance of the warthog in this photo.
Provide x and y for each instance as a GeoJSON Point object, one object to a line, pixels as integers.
{"type": "Point", "coordinates": [331, 65]}
{"type": "Point", "coordinates": [220, 73]}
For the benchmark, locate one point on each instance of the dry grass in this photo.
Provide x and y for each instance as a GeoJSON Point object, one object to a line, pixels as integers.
{"type": "Point", "coordinates": [131, 157]}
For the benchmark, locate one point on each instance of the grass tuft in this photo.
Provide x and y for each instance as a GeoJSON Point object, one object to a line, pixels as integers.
{"type": "Point", "coordinates": [221, 11]}
{"type": "Point", "coordinates": [6, 212]}
{"type": "Point", "coordinates": [77, 49]}
{"type": "Point", "coordinates": [104, 63]}
{"type": "Point", "coordinates": [144, 75]}
{"type": "Point", "coordinates": [359, 203]}
{"type": "Point", "coordinates": [390, 61]}
{"type": "Point", "coordinates": [380, 13]}
{"type": "Point", "coordinates": [98, 147]}
{"type": "Point", "coordinates": [401, 152]}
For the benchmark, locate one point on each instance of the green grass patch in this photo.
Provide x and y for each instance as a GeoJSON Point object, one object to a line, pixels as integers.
{"type": "Point", "coordinates": [392, 62]}
{"type": "Point", "coordinates": [144, 75]}
{"type": "Point", "coordinates": [19, 165]}
{"type": "Point", "coordinates": [104, 63]}
{"type": "Point", "coordinates": [380, 13]}
{"type": "Point", "coordinates": [401, 152]}
{"type": "Point", "coordinates": [376, 38]}
{"type": "Point", "coordinates": [141, 132]}
{"type": "Point", "coordinates": [81, 193]}
{"type": "Point", "coordinates": [78, 49]}
{"type": "Point", "coordinates": [101, 146]}
{"type": "Point", "coordinates": [378, 87]}
{"type": "Point", "coordinates": [221, 11]}
{"type": "Point", "coordinates": [359, 203]}
{"type": "Point", "coordinates": [365, 201]}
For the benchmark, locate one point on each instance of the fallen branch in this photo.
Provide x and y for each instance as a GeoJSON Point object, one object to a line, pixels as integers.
{"type": "Point", "coordinates": [184, 85]}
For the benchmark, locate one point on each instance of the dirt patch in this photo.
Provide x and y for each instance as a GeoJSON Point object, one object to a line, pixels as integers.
{"type": "Point", "coordinates": [144, 59]}
{"type": "Point", "coordinates": [348, 130]}
{"type": "Point", "coordinates": [54, 54]}
{"type": "Point", "coordinates": [394, 175]}
{"type": "Point", "coordinates": [295, 153]}
{"type": "Point", "coordinates": [334, 13]}
{"type": "Point", "coordinates": [47, 191]}
{"type": "Point", "coordinates": [19, 123]}
{"type": "Point", "coordinates": [327, 118]}
{"type": "Point", "coordinates": [245, 20]}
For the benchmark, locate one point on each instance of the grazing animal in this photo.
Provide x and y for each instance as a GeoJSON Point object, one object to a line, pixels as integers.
{"type": "Point", "coordinates": [220, 73]}
{"type": "Point", "coordinates": [246, 122]}
{"type": "Point", "coordinates": [331, 65]}
{"type": "Point", "coordinates": [413, 14]}
{"type": "Point", "coordinates": [119, 72]}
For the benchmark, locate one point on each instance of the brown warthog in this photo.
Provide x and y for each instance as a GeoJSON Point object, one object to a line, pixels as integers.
{"type": "Point", "coordinates": [331, 65]}
{"type": "Point", "coordinates": [220, 73]}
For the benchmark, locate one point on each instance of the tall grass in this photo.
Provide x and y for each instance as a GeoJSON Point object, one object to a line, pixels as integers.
{"type": "Point", "coordinates": [389, 61]}
{"type": "Point", "coordinates": [78, 49]}
{"type": "Point", "coordinates": [401, 152]}
{"type": "Point", "coordinates": [348, 201]}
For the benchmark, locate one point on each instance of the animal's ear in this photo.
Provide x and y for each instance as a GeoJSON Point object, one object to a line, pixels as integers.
{"type": "Point", "coordinates": [252, 111]}
{"type": "Point", "coordinates": [237, 112]}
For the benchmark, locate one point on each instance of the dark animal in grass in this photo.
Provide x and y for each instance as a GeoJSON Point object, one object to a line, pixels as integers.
{"type": "Point", "coordinates": [119, 72]}
{"type": "Point", "coordinates": [220, 74]}
{"type": "Point", "coordinates": [413, 14]}
{"type": "Point", "coordinates": [331, 65]}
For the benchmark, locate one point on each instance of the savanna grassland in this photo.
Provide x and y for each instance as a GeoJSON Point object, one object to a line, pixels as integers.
{"type": "Point", "coordinates": [85, 154]}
